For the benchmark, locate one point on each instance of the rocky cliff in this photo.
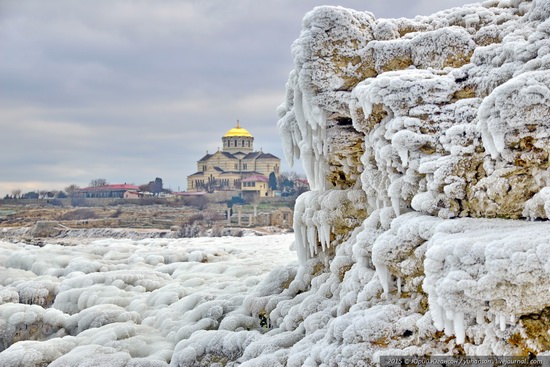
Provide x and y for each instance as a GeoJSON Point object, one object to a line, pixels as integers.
{"type": "Point", "coordinates": [426, 144]}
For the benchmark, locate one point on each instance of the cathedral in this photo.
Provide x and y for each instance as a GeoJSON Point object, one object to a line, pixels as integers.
{"type": "Point", "coordinates": [236, 167]}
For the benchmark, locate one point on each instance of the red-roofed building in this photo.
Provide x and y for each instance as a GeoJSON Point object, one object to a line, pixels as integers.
{"type": "Point", "coordinates": [256, 184]}
{"type": "Point", "coordinates": [109, 191]}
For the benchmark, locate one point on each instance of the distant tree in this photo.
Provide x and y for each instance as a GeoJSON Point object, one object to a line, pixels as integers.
{"type": "Point", "coordinates": [61, 195]}
{"type": "Point", "coordinates": [156, 186]}
{"type": "Point", "coordinates": [71, 190]}
{"type": "Point", "coordinates": [42, 194]}
{"type": "Point", "coordinates": [30, 195]}
{"type": "Point", "coordinates": [272, 181]}
{"type": "Point", "coordinates": [286, 181]}
{"type": "Point", "coordinates": [200, 202]}
{"type": "Point", "coordinates": [98, 182]}
{"type": "Point", "coordinates": [16, 193]}
{"type": "Point", "coordinates": [291, 175]}
{"type": "Point", "coordinates": [144, 188]}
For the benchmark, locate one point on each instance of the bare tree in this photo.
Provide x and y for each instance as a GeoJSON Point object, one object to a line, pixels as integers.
{"type": "Point", "coordinates": [16, 193]}
{"type": "Point", "coordinates": [71, 190]}
{"type": "Point", "coordinates": [144, 188]}
{"type": "Point", "coordinates": [212, 216]}
{"type": "Point", "coordinates": [200, 202]}
{"type": "Point", "coordinates": [98, 182]}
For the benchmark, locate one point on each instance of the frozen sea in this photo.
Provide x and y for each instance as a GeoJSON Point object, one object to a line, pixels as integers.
{"type": "Point", "coordinates": [117, 302]}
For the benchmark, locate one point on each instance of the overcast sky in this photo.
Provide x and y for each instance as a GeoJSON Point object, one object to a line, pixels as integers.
{"type": "Point", "coordinates": [131, 90]}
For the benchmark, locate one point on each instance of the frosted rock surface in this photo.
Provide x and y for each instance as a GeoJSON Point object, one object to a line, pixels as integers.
{"type": "Point", "coordinates": [452, 112]}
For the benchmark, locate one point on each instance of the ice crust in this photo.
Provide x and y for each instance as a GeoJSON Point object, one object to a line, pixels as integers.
{"type": "Point", "coordinates": [452, 111]}
{"type": "Point", "coordinates": [129, 302]}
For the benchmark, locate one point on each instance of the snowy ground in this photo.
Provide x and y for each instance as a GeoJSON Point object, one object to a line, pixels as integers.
{"type": "Point", "coordinates": [124, 302]}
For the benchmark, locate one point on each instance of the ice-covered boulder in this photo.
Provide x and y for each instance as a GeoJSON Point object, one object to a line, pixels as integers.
{"type": "Point", "coordinates": [444, 118]}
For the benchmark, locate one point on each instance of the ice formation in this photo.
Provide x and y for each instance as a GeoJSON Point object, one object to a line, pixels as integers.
{"type": "Point", "coordinates": [426, 145]}
{"type": "Point", "coordinates": [446, 125]}
{"type": "Point", "coordinates": [122, 302]}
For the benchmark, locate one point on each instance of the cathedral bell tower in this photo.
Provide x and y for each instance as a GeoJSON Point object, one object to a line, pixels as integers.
{"type": "Point", "coordinates": [238, 140]}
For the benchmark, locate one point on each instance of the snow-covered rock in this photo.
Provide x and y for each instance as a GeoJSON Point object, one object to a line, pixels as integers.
{"type": "Point", "coordinates": [446, 119]}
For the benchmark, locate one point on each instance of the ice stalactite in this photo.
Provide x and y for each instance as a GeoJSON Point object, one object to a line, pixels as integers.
{"type": "Point", "coordinates": [317, 214]}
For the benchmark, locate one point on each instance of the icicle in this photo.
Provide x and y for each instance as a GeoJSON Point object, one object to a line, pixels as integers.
{"type": "Point", "coordinates": [396, 205]}
{"type": "Point", "coordinates": [300, 241]}
{"type": "Point", "coordinates": [312, 240]}
{"type": "Point", "coordinates": [305, 245]}
{"type": "Point", "coordinates": [437, 315]}
{"type": "Point", "coordinates": [321, 234]}
{"type": "Point", "coordinates": [449, 327]}
{"type": "Point", "coordinates": [513, 319]}
{"type": "Point", "coordinates": [308, 162]}
{"type": "Point", "coordinates": [458, 323]}
{"type": "Point", "coordinates": [324, 236]}
{"type": "Point", "coordinates": [384, 276]}
{"type": "Point", "coordinates": [398, 285]}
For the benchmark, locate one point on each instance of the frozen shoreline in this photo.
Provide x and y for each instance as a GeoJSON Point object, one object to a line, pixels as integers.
{"type": "Point", "coordinates": [71, 236]}
{"type": "Point", "coordinates": [127, 299]}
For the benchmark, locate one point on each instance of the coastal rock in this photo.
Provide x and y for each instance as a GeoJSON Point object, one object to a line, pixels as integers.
{"type": "Point", "coordinates": [444, 125]}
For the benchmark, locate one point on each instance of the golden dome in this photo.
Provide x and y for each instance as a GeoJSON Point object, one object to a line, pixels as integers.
{"type": "Point", "coordinates": [238, 131]}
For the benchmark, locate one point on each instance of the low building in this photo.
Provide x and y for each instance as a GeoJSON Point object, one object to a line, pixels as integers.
{"type": "Point", "coordinates": [132, 194]}
{"type": "Point", "coordinates": [256, 185]}
{"type": "Point", "coordinates": [108, 191]}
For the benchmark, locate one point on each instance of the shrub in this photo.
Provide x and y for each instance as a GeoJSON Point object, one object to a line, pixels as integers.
{"type": "Point", "coordinates": [79, 214]}
{"type": "Point", "coordinates": [117, 213]}
{"type": "Point", "coordinates": [199, 202]}
{"type": "Point", "coordinates": [79, 202]}
{"type": "Point", "coordinates": [55, 202]}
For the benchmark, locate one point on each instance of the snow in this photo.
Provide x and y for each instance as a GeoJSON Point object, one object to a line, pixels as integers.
{"type": "Point", "coordinates": [129, 302]}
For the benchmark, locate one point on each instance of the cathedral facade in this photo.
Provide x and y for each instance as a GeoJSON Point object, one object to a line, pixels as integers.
{"type": "Point", "coordinates": [237, 161]}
